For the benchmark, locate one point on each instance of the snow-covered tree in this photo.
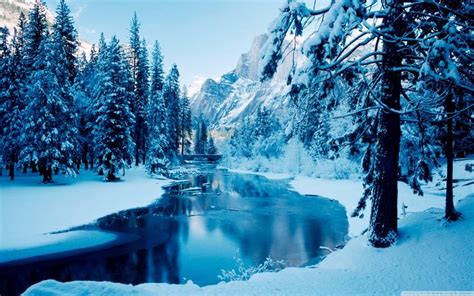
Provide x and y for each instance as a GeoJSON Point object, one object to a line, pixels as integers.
{"type": "Point", "coordinates": [84, 90]}
{"type": "Point", "coordinates": [200, 136]}
{"type": "Point", "coordinates": [157, 75]}
{"type": "Point", "coordinates": [157, 160]}
{"type": "Point", "coordinates": [384, 47]}
{"type": "Point", "coordinates": [139, 69]}
{"type": "Point", "coordinates": [444, 70]}
{"type": "Point", "coordinates": [210, 146]}
{"type": "Point", "coordinates": [35, 31]}
{"type": "Point", "coordinates": [258, 135]}
{"type": "Point", "coordinates": [172, 95]}
{"type": "Point", "coordinates": [64, 26]}
{"type": "Point", "coordinates": [157, 154]}
{"type": "Point", "coordinates": [185, 122]}
{"type": "Point", "coordinates": [12, 103]}
{"type": "Point", "coordinates": [113, 143]}
{"type": "Point", "coordinates": [50, 133]}
{"type": "Point", "coordinates": [9, 109]}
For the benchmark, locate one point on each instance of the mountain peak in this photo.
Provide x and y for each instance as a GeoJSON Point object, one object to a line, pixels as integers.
{"type": "Point", "coordinates": [247, 66]}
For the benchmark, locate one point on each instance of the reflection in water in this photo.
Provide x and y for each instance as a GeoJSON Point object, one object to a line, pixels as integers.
{"type": "Point", "coordinates": [195, 230]}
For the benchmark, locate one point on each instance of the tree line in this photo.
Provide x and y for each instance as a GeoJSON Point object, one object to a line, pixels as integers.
{"type": "Point", "coordinates": [60, 111]}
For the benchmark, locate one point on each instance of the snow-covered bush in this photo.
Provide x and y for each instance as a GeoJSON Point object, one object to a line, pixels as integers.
{"type": "Point", "coordinates": [259, 135]}
{"type": "Point", "coordinates": [243, 273]}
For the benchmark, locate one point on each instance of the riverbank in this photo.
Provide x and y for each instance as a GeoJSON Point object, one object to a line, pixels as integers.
{"type": "Point", "coordinates": [30, 210]}
{"type": "Point", "coordinates": [429, 255]}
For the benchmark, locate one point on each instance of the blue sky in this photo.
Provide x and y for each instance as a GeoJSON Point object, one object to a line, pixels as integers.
{"type": "Point", "coordinates": [204, 38]}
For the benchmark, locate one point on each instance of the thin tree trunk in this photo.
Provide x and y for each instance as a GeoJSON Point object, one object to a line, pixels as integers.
{"type": "Point", "coordinates": [383, 220]}
{"type": "Point", "coordinates": [11, 169]}
{"type": "Point", "coordinates": [450, 212]}
{"type": "Point", "coordinates": [137, 141]}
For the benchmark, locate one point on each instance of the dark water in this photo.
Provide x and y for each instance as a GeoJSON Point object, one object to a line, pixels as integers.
{"type": "Point", "coordinates": [193, 234]}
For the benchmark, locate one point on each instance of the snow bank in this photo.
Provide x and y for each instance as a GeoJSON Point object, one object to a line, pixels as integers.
{"type": "Point", "coordinates": [41, 245]}
{"type": "Point", "coordinates": [348, 193]}
{"type": "Point", "coordinates": [30, 209]}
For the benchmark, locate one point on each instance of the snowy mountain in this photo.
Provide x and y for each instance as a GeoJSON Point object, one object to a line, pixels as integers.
{"type": "Point", "coordinates": [239, 93]}
{"type": "Point", "coordinates": [10, 11]}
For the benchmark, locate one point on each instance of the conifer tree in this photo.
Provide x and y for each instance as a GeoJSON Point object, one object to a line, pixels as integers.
{"type": "Point", "coordinates": [35, 31]}
{"type": "Point", "coordinates": [50, 134]}
{"type": "Point", "coordinates": [9, 112]}
{"type": "Point", "coordinates": [113, 143]}
{"type": "Point", "coordinates": [64, 25]}
{"type": "Point", "coordinates": [397, 37]}
{"type": "Point", "coordinates": [157, 75]}
{"type": "Point", "coordinates": [171, 95]}
{"type": "Point", "coordinates": [157, 160]}
{"type": "Point", "coordinates": [210, 146]}
{"type": "Point", "coordinates": [139, 70]}
{"type": "Point", "coordinates": [200, 137]}
{"type": "Point", "coordinates": [185, 123]}
{"type": "Point", "coordinates": [12, 102]}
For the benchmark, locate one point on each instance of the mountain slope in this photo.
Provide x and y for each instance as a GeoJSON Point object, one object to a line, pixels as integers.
{"type": "Point", "coordinates": [10, 12]}
{"type": "Point", "coordinates": [239, 93]}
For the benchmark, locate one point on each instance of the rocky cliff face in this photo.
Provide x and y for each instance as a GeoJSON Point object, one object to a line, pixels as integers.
{"type": "Point", "coordinates": [240, 93]}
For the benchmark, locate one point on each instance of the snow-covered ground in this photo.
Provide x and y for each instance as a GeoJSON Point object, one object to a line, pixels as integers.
{"type": "Point", "coordinates": [429, 255]}
{"type": "Point", "coordinates": [29, 210]}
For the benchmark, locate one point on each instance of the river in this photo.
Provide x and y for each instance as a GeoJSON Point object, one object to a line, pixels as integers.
{"type": "Point", "coordinates": [200, 226]}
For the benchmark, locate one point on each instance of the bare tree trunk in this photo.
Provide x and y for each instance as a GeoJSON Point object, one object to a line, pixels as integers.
{"type": "Point", "coordinates": [137, 142]}
{"type": "Point", "coordinates": [450, 212]}
{"type": "Point", "coordinates": [11, 167]}
{"type": "Point", "coordinates": [383, 220]}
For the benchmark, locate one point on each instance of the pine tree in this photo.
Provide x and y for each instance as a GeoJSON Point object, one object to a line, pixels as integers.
{"type": "Point", "coordinates": [50, 134]}
{"type": "Point", "coordinates": [201, 136]}
{"type": "Point", "coordinates": [9, 109]}
{"type": "Point", "coordinates": [113, 143]}
{"type": "Point", "coordinates": [210, 146]}
{"type": "Point", "coordinates": [397, 39]}
{"type": "Point", "coordinates": [157, 76]}
{"type": "Point", "coordinates": [139, 69]}
{"type": "Point", "coordinates": [64, 26]}
{"type": "Point", "coordinates": [157, 160]}
{"type": "Point", "coordinates": [13, 103]}
{"type": "Point", "coordinates": [35, 32]}
{"type": "Point", "coordinates": [85, 84]}
{"type": "Point", "coordinates": [171, 96]}
{"type": "Point", "coordinates": [185, 123]}
{"type": "Point", "coordinates": [157, 153]}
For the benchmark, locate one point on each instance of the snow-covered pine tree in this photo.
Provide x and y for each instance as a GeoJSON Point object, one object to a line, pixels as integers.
{"type": "Point", "coordinates": [84, 86]}
{"type": "Point", "coordinates": [171, 96]}
{"type": "Point", "coordinates": [35, 31]}
{"type": "Point", "coordinates": [50, 133]}
{"type": "Point", "coordinates": [200, 136]}
{"type": "Point", "coordinates": [211, 147]}
{"type": "Point", "coordinates": [139, 68]}
{"type": "Point", "coordinates": [14, 103]}
{"type": "Point", "coordinates": [329, 52]}
{"type": "Point", "coordinates": [113, 143]}
{"type": "Point", "coordinates": [397, 37]}
{"type": "Point", "coordinates": [444, 69]}
{"type": "Point", "coordinates": [8, 105]}
{"type": "Point", "coordinates": [185, 122]}
{"type": "Point", "coordinates": [64, 25]}
{"type": "Point", "coordinates": [157, 161]}
{"type": "Point", "coordinates": [98, 91]}
{"type": "Point", "coordinates": [157, 75]}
